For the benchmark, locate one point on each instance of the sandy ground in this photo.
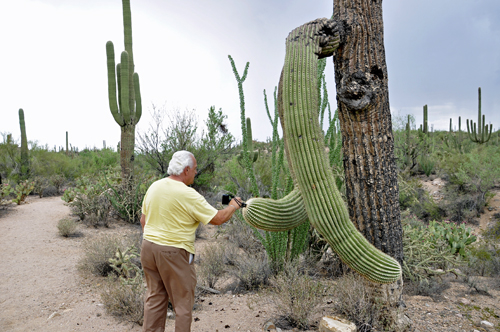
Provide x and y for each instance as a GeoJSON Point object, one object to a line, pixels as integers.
{"type": "Point", "coordinates": [41, 289]}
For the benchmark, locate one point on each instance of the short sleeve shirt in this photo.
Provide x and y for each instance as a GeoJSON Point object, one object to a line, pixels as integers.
{"type": "Point", "coordinates": [173, 212]}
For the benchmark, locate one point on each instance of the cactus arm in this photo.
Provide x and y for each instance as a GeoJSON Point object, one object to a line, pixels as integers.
{"type": "Point", "coordinates": [325, 209]}
{"type": "Point", "coordinates": [113, 104]}
{"type": "Point", "coordinates": [276, 215]}
{"type": "Point", "coordinates": [124, 82]}
{"type": "Point", "coordinates": [138, 100]}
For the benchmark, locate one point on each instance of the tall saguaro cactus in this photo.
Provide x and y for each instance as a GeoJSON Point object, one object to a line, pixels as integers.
{"type": "Point", "coordinates": [316, 192]}
{"type": "Point", "coordinates": [479, 133]}
{"type": "Point", "coordinates": [24, 146]}
{"type": "Point", "coordinates": [126, 106]}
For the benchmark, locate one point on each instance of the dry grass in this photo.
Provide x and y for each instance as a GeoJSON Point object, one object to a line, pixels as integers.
{"type": "Point", "coordinates": [97, 252]}
{"type": "Point", "coordinates": [296, 294]}
{"type": "Point", "coordinates": [125, 301]}
{"type": "Point", "coordinates": [353, 300]}
{"type": "Point", "coordinates": [67, 227]}
{"type": "Point", "coordinates": [211, 267]}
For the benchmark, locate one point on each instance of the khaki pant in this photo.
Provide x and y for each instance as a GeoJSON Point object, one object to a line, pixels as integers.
{"type": "Point", "coordinates": [168, 276]}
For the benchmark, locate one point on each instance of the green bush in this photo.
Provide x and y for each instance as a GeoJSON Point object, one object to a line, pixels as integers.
{"type": "Point", "coordinates": [457, 236]}
{"type": "Point", "coordinates": [417, 200]}
{"type": "Point", "coordinates": [126, 198]}
{"type": "Point", "coordinates": [470, 177]}
{"type": "Point", "coordinates": [5, 191]}
{"type": "Point", "coordinates": [89, 202]}
{"type": "Point", "coordinates": [425, 255]}
{"type": "Point", "coordinates": [67, 227]}
{"type": "Point", "coordinates": [22, 190]}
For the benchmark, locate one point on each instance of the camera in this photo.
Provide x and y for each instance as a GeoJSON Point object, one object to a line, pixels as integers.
{"type": "Point", "coordinates": [226, 198]}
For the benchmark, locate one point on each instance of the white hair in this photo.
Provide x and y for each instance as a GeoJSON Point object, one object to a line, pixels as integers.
{"type": "Point", "coordinates": [180, 160]}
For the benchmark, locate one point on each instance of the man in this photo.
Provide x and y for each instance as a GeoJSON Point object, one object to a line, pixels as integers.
{"type": "Point", "coordinates": [171, 212]}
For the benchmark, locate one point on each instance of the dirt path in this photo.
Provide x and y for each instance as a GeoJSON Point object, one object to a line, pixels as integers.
{"type": "Point", "coordinates": [40, 289]}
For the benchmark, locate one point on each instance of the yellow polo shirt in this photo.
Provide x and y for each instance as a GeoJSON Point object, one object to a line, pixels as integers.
{"type": "Point", "coordinates": [173, 212]}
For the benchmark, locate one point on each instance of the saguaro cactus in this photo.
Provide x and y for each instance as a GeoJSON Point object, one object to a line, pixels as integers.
{"type": "Point", "coordinates": [24, 146]}
{"type": "Point", "coordinates": [127, 109]}
{"type": "Point", "coordinates": [480, 133]}
{"type": "Point", "coordinates": [425, 128]}
{"type": "Point", "coordinates": [309, 164]}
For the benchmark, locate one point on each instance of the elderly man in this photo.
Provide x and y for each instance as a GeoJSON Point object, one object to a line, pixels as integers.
{"type": "Point", "coordinates": [171, 212]}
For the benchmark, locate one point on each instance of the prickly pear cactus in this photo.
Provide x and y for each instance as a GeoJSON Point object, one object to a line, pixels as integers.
{"type": "Point", "coordinates": [316, 196]}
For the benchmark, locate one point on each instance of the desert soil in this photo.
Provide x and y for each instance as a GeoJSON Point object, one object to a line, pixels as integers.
{"type": "Point", "coordinates": [42, 290]}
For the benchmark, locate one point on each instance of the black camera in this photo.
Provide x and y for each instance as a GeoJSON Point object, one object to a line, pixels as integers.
{"type": "Point", "coordinates": [226, 198]}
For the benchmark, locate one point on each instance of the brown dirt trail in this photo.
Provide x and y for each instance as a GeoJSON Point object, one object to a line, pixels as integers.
{"type": "Point", "coordinates": [40, 289]}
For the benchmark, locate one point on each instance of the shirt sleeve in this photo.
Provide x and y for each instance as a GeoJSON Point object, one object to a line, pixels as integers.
{"type": "Point", "coordinates": [202, 211]}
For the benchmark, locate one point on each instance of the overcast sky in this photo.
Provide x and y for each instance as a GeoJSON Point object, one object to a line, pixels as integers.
{"type": "Point", "coordinates": [54, 60]}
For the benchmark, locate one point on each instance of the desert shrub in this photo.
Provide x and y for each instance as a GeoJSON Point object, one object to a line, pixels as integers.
{"type": "Point", "coordinates": [39, 185]}
{"type": "Point", "coordinates": [354, 301]}
{"type": "Point", "coordinates": [415, 198]}
{"type": "Point", "coordinates": [97, 253]}
{"type": "Point", "coordinates": [57, 180]}
{"type": "Point", "coordinates": [252, 271]}
{"type": "Point", "coordinates": [67, 227]}
{"type": "Point", "coordinates": [470, 176]}
{"type": "Point", "coordinates": [425, 254]}
{"type": "Point", "coordinates": [242, 235]}
{"type": "Point", "coordinates": [5, 191]}
{"type": "Point", "coordinates": [69, 195]}
{"type": "Point", "coordinates": [22, 190]}
{"type": "Point", "coordinates": [296, 294]}
{"type": "Point", "coordinates": [126, 198]}
{"type": "Point", "coordinates": [91, 205]}
{"type": "Point", "coordinates": [484, 261]}
{"type": "Point", "coordinates": [432, 287]}
{"type": "Point", "coordinates": [124, 300]}
{"type": "Point", "coordinates": [211, 266]}
{"type": "Point", "coordinates": [49, 163]}
{"type": "Point", "coordinates": [493, 232]}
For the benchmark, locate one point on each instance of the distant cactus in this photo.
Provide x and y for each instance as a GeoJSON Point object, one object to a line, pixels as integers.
{"type": "Point", "coordinates": [25, 164]}
{"type": "Point", "coordinates": [127, 108]}
{"type": "Point", "coordinates": [425, 128]}
{"type": "Point", "coordinates": [480, 133]}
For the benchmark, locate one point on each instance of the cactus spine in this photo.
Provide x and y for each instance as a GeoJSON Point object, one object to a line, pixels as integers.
{"type": "Point", "coordinates": [480, 133]}
{"type": "Point", "coordinates": [305, 145]}
{"type": "Point", "coordinates": [127, 109]}
{"type": "Point", "coordinates": [24, 147]}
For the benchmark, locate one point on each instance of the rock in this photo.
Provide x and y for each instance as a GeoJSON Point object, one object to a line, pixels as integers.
{"type": "Point", "coordinates": [487, 325]}
{"type": "Point", "coordinates": [268, 326]}
{"type": "Point", "coordinates": [464, 301]}
{"type": "Point", "coordinates": [336, 324]}
{"type": "Point", "coordinates": [55, 314]}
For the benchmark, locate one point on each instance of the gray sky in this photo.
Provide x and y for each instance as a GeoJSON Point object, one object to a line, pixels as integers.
{"type": "Point", "coordinates": [54, 61]}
